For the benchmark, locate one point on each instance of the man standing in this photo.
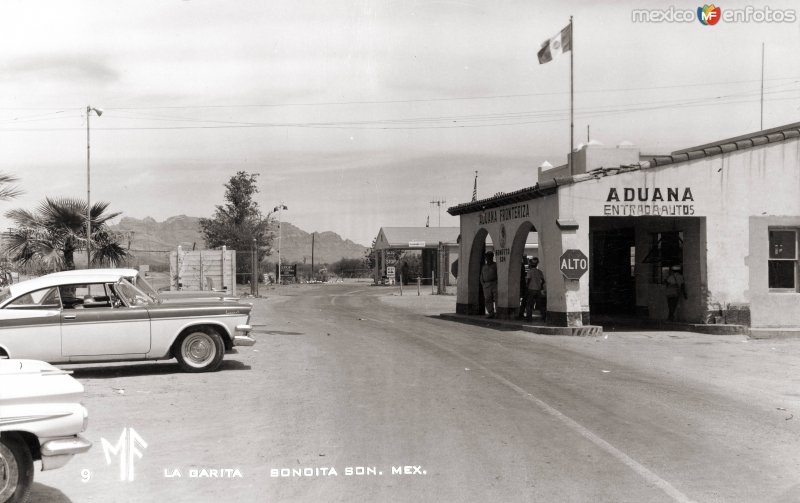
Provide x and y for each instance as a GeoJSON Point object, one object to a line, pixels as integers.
{"type": "Point", "coordinates": [535, 289]}
{"type": "Point", "coordinates": [489, 282]}
{"type": "Point", "coordinates": [523, 287]}
{"type": "Point", "coordinates": [675, 287]}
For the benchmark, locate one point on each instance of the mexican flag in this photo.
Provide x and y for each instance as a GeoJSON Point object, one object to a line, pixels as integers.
{"type": "Point", "coordinates": [553, 47]}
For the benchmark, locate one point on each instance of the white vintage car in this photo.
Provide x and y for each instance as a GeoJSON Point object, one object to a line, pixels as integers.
{"type": "Point", "coordinates": [40, 419]}
{"type": "Point", "coordinates": [135, 277]}
{"type": "Point", "coordinates": [100, 317]}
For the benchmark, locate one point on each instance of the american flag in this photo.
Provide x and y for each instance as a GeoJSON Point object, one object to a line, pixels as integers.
{"type": "Point", "coordinates": [475, 188]}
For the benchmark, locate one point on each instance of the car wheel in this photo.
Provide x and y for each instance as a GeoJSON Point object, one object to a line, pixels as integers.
{"type": "Point", "coordinates": [16, 469]}
{"type": "Point", "coordinates": [200, 351]}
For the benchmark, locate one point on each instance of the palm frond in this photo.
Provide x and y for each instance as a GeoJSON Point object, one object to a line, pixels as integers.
{"type": "Point", "coordinates": [8, 191]}
{"type": "Point", "coordinates": [21, 218]}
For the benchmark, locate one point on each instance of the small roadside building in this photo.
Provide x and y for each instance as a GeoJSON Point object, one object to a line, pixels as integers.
{"type": "Point", "coordinates": [436, 244]}
{"type": "Point", "coordinates": [726, 213]}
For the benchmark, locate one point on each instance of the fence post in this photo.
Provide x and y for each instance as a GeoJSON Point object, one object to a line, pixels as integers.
{"type": "Point", "coordinates": [222, 264]}
{"type": "Point", "coordinates": [419, 282]}
{"type": "Point", "coordinates": [253, 278]}
{"type": "Point", "coordinates": [442, 266]}
{"type": "Point", "coordinates": [401, 284]}
{"type": "Point", "coordinates": [178, 264]}
{"type": "Point", "coordinates": [202, 276]}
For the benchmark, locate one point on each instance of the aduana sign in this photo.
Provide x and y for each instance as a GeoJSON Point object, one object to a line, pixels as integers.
{"type": "Point", "coordinates": [655, 201]}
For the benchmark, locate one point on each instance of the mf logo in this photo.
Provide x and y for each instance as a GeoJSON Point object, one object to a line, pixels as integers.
{"type": "Point", "coordinates": [126, 449]}
{"type": "Point", "coordinates": [708, 14]}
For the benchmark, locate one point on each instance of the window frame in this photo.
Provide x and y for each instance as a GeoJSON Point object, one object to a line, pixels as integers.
{"type": "Point", "coordinates": [660, 261]}
{"type": "Point", "coordinates": [795, 260]}
{"type": "Point", "coordinates": [36, 306]}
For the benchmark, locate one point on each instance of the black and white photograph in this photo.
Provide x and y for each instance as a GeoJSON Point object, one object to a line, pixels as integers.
{"type": "Point", "coordinates": [399, 251]}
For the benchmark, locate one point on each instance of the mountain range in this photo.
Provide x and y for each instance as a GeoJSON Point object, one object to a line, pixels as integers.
{"type": "Point", "coordinates": [152, 241]}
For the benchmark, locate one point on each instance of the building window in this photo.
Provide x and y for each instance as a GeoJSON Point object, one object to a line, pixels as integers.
{"type": "Point", "coordinates": [783, 259]}
{"type": "Point", "coordinates": [666, 250]}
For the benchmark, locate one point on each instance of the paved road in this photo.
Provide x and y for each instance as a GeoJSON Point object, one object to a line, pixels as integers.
{"type": "Point", "coordinates": [341, 381]}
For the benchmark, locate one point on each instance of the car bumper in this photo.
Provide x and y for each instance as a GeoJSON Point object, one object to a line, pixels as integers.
{"type": "Point", "coordinates": [243, 340]}
{"type": "Point", "coordinates": [242, 337]}
{"type": "Point", "coordinates": [56, 453]}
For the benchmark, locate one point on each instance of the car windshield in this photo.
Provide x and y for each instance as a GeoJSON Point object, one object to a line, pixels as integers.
{"type": "Point", "coordinates": [146, 287]}
{"type": "Point", "coordinates": [132, 295]}
{"type": "Point", "coordinates": [5, 293]}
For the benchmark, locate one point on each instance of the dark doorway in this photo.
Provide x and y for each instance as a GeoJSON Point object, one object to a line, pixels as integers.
{"type": "Point", "coordinates": [612, 283]}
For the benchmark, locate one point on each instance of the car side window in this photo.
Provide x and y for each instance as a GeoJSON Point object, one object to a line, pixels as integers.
{"type": "Point", "coordinates": [46, 298]}
{"type": "Point", "coordinates": [71, 297]}
{"type": "Point", "coordinates": [86, 296]}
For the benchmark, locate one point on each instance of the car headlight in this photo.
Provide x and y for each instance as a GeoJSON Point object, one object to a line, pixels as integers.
{"type": "Point", "coordinates": [85, 418]}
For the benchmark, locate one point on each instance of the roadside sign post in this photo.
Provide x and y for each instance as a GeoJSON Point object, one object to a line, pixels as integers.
{"type": "Point", "coordinates": [287, 271]}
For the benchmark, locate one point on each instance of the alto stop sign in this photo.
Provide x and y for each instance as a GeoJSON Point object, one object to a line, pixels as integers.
{"type": "Point", "coordinates": [573, 264]}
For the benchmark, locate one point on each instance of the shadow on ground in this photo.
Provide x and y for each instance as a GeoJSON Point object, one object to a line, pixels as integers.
{"type": "Point", "coordinates": [46, 494]}
{"type": "Point", "coordinates": [144, 369]}
{"type": "Point", "coordinates": [275, 332]}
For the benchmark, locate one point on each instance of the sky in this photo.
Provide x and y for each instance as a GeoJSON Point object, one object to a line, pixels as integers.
{"type": "Point", "coordinates": [357, 114]}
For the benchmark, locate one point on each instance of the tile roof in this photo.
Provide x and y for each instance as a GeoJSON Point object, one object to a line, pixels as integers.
{"type": "Point", "coordinates": [550, 186]}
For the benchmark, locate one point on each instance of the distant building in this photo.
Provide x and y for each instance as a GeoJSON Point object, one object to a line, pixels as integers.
{"type": "Point", "coordinates": [427, 240]}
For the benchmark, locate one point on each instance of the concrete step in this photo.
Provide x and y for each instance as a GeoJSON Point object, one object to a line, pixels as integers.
{"type": "Point", "coordinates": [536, 326]}
{"type": "Point", "coordinates": [774, 333]}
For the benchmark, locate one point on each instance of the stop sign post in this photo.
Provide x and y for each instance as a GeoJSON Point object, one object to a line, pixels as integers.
{"type": "Point", "coordinates": [573, 264]}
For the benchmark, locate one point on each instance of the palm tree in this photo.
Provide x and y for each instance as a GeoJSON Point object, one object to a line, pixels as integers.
{"type": "Point", "coordinates": [7, 191]}
{"type": "Point", "coordinates": [56, 231]}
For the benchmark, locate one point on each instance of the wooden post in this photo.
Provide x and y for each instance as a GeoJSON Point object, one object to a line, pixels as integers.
{"type": "Point", "coordinates": [253, 278]}
{"type": "Point", "coordinates": [222, 262]}
{"type": "Point", "coordinates": [202, 276]}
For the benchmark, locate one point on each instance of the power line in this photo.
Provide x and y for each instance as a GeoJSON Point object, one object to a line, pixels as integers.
{"type": "Point", "coordinates": [419, 122]}
{"type": "Point", "coordinates": [420, 100]}
{"type": "Point", "coordinates": [462, 98]}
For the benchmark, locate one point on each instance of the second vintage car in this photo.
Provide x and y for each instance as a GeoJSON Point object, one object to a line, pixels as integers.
{"type": "Point", "coordinates": [41, 419]}
{"type": "Point", "coordinates": [100, 317]}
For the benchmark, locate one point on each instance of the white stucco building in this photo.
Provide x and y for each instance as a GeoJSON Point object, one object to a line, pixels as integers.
{"type": "Point", "coordinates": [727, 213]}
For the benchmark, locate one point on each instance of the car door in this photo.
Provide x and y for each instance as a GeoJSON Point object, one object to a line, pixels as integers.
{"type": "Point", "coordinates": [96, 325]}
{"type": "Point", "coordinates": [30, 326]}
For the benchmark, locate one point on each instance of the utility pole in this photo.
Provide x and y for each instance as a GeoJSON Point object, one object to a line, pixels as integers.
{"type": "Point", "coordinates": [99, 112]}
{"type": "Point", "coordinates": [313, 235]}
{"type": "Point", "coordinates": [439, 203]}
{"type": "Point", "coordinates": [279, 209]}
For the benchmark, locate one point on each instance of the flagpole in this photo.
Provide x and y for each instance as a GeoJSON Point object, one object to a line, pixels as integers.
{"type": "Point", "coordinates": [571, 97]}
{"type": "Point", "coordinates": [762, 86]}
